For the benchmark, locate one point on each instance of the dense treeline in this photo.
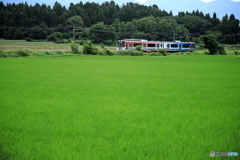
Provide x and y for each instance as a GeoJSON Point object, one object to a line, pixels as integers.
{"type": "Point", "coordinates": [108, 22]}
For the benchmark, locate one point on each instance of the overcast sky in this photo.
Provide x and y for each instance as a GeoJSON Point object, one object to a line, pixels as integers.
{"type": "Point", "coordinates": [221, 7]}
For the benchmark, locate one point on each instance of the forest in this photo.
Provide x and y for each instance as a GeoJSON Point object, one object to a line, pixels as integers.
{"type": "Point", "coordinates": [107, 22]}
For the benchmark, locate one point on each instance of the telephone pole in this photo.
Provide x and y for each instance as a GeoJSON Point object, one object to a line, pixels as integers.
{"type": "Point", "coordinates": [173, 35]}
{"type": "Point", "coordinates": [73, 33]}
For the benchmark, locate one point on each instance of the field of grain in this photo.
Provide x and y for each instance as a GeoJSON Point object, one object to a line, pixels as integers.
{"type": "Point", "coordinates": [103, 107]}
{"type": "Point", "coordinates": [22, 44]}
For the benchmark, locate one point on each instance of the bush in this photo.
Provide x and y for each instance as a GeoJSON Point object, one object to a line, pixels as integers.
{"type": "Point", "coordinates": [236, 53]}
{"type": "Point", "coordinates": [162, 52]}
{"type": "Point", "coordinates": [74, 48]}
{"type": "Point", "coordinates": [59, 52]}
{"type": "Point", "coordinates": [23, 53]}
{"type": "Point", "coordinates": [101, 53]}
{"type": "Point", "coordinates": [207, 53]}
{"type": "Point", "coordinates": [102, 46]}
{"type": "Point", "coordinates": [88, 48]}
{"type": "Point", "coordinates": [108, 52]}
{"type": "Point", "coordinates": [39, 53]}
{"type": "Point", "coordinates": [221, 50]}
{"type": "Point", "coordinates": [12, 54]}
{"type": "Point", "coordinates": [47, 52]}
{"type": "Point", "coordinates": [129, 52]}
{"type": "Point", "coordinates": [138, 47]}
{"type": "Point", "coordinates": [120, 52]}
{"type": "Point", "coordinates": [139, 53]}
{"type": "Point", "coordinates": [2, 55]}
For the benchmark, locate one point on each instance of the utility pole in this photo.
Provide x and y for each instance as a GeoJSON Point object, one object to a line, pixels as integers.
{"type": "Point", "coordinates": [173, 35]}
{"type": "Point", "coordinates": [73, 33]}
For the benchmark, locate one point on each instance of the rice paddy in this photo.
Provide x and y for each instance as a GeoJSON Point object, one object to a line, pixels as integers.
{"type": "Point", "coordinates": [119, 107]}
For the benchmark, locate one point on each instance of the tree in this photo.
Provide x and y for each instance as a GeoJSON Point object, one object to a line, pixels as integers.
{"type": "Point", "coordinates": [75, 21]}
{"type": "Point", "coordinates": [211, 43]}
{"type": "Point", "coordinates": [55, 36]}
{"type": "Point", "coordinates": [100, 33]}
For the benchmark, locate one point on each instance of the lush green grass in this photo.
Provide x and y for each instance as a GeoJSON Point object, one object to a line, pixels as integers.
{"type": "Point", "coordinates": [120, 107]}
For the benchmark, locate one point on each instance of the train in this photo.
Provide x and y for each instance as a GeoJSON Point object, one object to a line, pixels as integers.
{"type": "Point", "coordinates": [153, 46]}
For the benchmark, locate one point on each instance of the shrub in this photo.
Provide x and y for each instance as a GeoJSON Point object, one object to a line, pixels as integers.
{"type": "Point", "coordinates": [139, 53]}
{"type": "Point", "coordinates": [207, 53]}
{"type": "Point", "coordinates": [138, 47]}
{"type": "Point", "coordinates": [74, 48]}
{"type": "Point", "coordinates": [101, 53]}
{"type": "Point", "coordinates": [120, 52]}
{"type": "Point", "coordinates": [129, 52]}
{"type": "Point", "coordinates": [59, 52]}
{"type": "Point", "coordinates": [81, 42]}
{"type": "Point", "coordinates": [236, 53]}
{"type": "Point", "coordinates": [102, 46]}
{"type": "Point", "coordinates": [162, 52]}
{"type": "Point", "coordinates": [12, 54]}
{"type": "Point", "coordinates": [39, 53]}
{"type": "Point", "coordinates": [88, 48]}
{"type": "Point", "coordinates": [47, 52]}
{"type": "Point", "coordinates": [2, 55]}
{"type": "Point", "coordinates": [108, 52]}
{"type": "Point", "coordinates": [221, 50]}
{"type": "Point", "coordinates": [24, 53]}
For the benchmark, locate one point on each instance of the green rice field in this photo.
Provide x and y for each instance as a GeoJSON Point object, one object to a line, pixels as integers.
{"type": "Point", "coordinates": [119, 107]}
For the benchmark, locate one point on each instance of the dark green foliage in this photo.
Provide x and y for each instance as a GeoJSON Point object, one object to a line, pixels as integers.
{"type": "Point", "coordinates": [74, 48]}
{"type": "Point", "coordinates": [211, 43]}
{"type": "Point", "coordinates": [24, 53]}
{"type": "Point", "coordinates": [28, 39]}
{"type": "Point", "coordinates": [55, 36]}
{"type": "Point", "coordinates": [221, 50]}
{"type": "Point", "coordinates": [108, 52]}
{"type": "Point", "coordinates": [88, 48]}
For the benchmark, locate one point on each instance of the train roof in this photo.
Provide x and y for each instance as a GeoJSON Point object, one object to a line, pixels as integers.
{"type": "Point", "coordinates": [141, 40]}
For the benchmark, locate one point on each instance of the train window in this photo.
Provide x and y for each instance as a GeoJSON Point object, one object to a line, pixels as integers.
{"type": "Point", "coordinates": [135, 44]}
{"type": "Point", "coordinates": [123, 44]}
{"type": "Point", "coordinates": [174, 45]}
{"type": "Point", "coordinates": [158, 45]}
{"type": "Point", "coordinates": [161, 45]}
{"type": "Point", "coordinates": [151, 45]}
{"type": "Point", "coordinates": [144, 45]}
{"type": "Point", "coordinates": [186, 45]}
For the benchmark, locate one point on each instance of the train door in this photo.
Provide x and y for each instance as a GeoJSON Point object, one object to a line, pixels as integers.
{"type": "Point", "coordinates": [160, 45]}
{"type": "Point", "coordinates": [144, 46]}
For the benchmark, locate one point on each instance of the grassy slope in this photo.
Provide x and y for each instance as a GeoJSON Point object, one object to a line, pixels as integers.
{"type": "Point", "coordinates": [94, 107]}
